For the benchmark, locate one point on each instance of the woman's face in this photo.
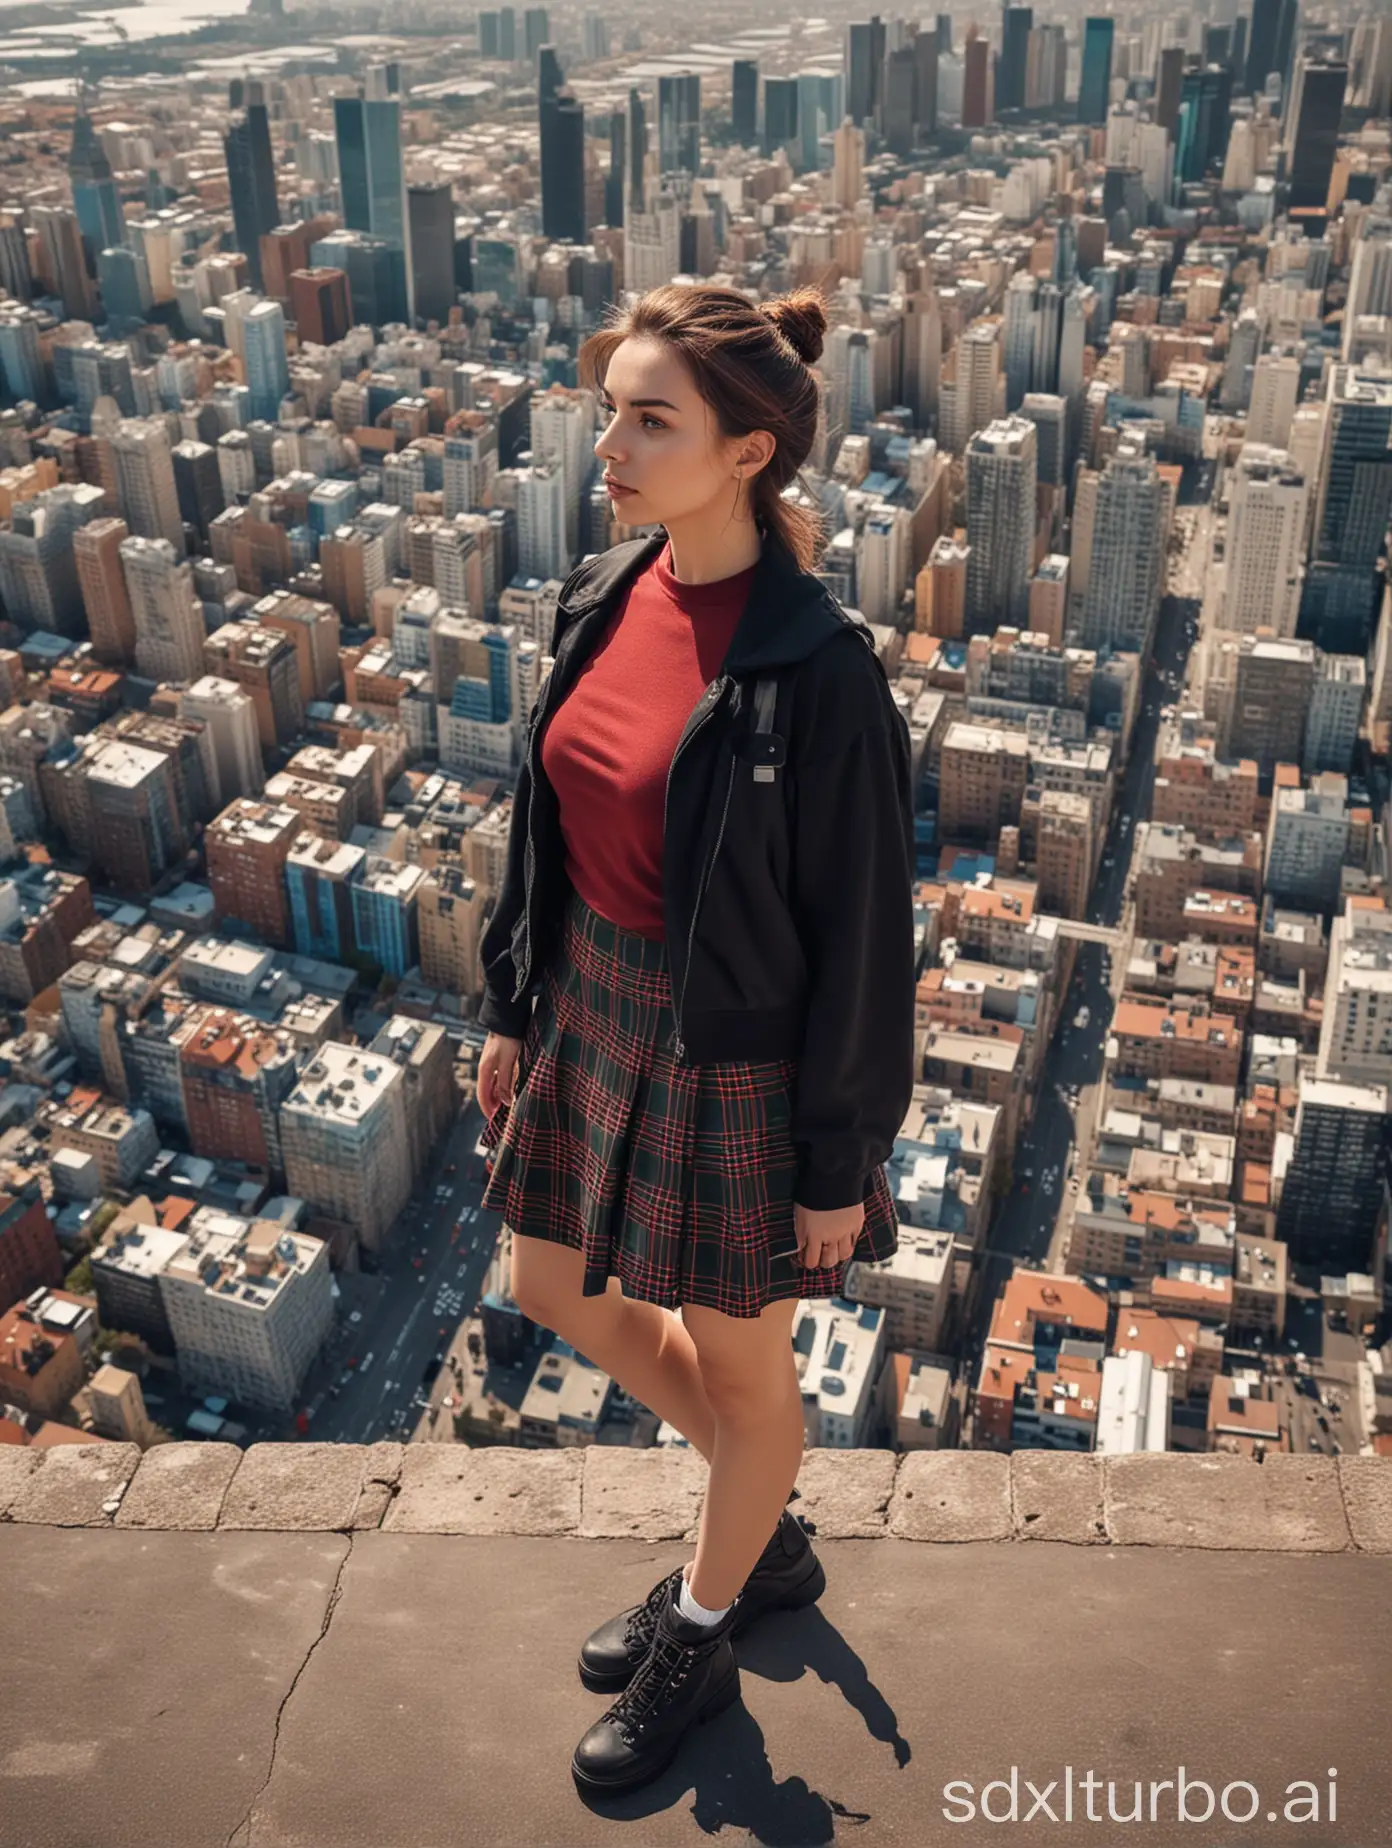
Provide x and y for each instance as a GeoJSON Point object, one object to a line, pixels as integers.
{"type": "Point", "coordinates": [661, 440]}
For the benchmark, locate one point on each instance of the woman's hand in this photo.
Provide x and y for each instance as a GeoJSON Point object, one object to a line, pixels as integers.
{"type": "Point", "coordinates": [827, 1238]}
{"type": "Point", "coordinates": [497, 1072]}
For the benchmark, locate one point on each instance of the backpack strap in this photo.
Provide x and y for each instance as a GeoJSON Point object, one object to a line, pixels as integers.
{"type": "Point", "coordinates": [770, 750]}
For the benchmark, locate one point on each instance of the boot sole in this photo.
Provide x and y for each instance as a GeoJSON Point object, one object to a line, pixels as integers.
{"type": "Point", "coordinates": [797, 1598]}
{"type": "Point", "coordinates": [724, 1696]}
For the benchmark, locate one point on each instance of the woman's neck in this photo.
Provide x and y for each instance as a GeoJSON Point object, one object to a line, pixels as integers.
{"type": "Point", "coordinates": [702, 557]}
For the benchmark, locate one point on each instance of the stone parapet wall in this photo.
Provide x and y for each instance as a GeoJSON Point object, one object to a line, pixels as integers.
{"type": "Point", "coordinates": [1286, 1504]}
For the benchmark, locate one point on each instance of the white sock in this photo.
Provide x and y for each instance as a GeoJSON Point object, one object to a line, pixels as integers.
{"type": "Point", "coordinates": [694, 1612]}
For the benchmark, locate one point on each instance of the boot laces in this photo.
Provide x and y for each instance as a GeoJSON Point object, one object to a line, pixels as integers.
{"type": "Point", "coordinates": [663, 1671]}
{"type": "Point", "coordinates": [643, 1620]}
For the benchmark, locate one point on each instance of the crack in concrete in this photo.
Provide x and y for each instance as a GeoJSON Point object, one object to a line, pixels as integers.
{"type": "Point", "coordinates": [244, 1822]}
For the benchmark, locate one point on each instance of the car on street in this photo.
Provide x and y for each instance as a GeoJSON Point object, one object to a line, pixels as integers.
{"type": "Point", "coordinates": [1082, 1017]}
{"type": "Point", "coordinates": [367, 1363]}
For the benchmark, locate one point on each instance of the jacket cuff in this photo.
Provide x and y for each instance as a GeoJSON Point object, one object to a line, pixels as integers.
{"type": "Point", "coordinates": [821, 1190]}
{"type": "Point", "coordinates": [510, 1018]}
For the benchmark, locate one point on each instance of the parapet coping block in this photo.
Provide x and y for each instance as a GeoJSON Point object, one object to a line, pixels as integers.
{"type": "Point", "coordinates": [180, 1486]}
{"type": "Point", "coordinates": [76, 1485]}
{"type": "Point", "coordinates": [448, 1489]}
{"type": "Point", "coordinates": [296, 1487]}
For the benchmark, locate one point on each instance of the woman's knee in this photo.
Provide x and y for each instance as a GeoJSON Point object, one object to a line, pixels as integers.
{"type": "Point", "coordinates": [548, 1286]}
{"type": "Point", "coordinates": [545, 1276]}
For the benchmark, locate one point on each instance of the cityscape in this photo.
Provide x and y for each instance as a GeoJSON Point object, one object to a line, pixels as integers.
{"type": "Point", "coordinates": [295, 462]}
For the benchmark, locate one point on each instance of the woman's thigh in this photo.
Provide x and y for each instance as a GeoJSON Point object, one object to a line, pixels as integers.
{"type": "Point", "coordinates": [745, 1361]}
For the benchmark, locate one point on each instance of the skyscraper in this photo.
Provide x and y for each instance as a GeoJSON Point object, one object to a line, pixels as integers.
{"type": "Point", "coordinates": [267, 371]}
{"type": "Point", "coordinates": [1355, 493]}
{"type": "Point", "coordinates": [1095, 87]}
{"type": "Point", "coordinates": [636, 200]}
{"type": "Point", "coordinates": [780, 113]}
{"type": "Point", "coordinates": [865, 69]}
{"type": "Point", "coordinates": [926, 93]}
{"type": "Point", "coordinates": [562, 124]}
{"type": "Point", "coordinates": [1001, 481]}
{"type": "Point", "coordinates": [65, 251]}
{"type": "Point", "coordinates": [105, 598]}
{"type": "Point", "coordinates": [1168, 93]}
{"type": "Point", "coordinates": [251, 177]}
{"type": "Point", "coordinates": [614, 180]}
{"type": "Point", "coordinates": [1316, 104]}
{"type": "Point", "coordinates": [744, 101]}
{"type": "Point", "coordinates": [95, 199]}
{"type": "Point", "coordinates": [1010, 75]}
{"type": "Point", "coordinates": [145, 481]}
{"type": "Point", "coordinates": [900, 100]}
{"type": "Point", "coordinates": [1261, 44]}
{"type": "Point", "coordinates": [1265, 546]}
{"type": "Point", "coordinates": [169, 628]}
{"type": "Point", "coordinates": [371, 178]}
{"type": "Point", "coordinates": [978, 101]}
{"type": "Point", "coordinates": [1126, 569]}
{"type": "Point", "coordinates": [431, 210]}
{"type": "Point", "coordinates": [679, 121]}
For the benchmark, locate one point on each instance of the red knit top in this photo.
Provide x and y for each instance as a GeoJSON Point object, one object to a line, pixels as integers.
{"type": "Point", "coordinates": [607, 747]}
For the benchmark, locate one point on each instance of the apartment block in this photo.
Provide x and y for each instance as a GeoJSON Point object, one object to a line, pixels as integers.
{"type": "Point", "coordinates": [983, 774]}
{"type": "Point", "coordinates": [1172, 863]}
{"type": "Point", "coordinates": [264, 663]}
{"type": "Point", "coordinates": [249, 1306]}
{"type": "Point", "coordinates": [247, 846]}
{"type": "Point", "coordinates": [345, 1139]}
{"type": "Point", "coordinates": [1151, 1040]}
{"type": "Point", "coordinates": [236, 1075]}
{"type": "Point", "coordinates": [449, 908]}
{"type": "Point", "coordinates": [1356, 1029]}
{"type": "Point", "coordinates": [41, 912]}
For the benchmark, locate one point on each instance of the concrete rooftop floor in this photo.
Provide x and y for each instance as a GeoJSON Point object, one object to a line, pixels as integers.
{"type": "Point", "coordinates": [266, 1683]}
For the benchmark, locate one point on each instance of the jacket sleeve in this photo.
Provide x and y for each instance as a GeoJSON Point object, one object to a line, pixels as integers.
{"type": "Point", "coordinates": [498, 1012]}
{"type": "Point", "coordinates": [854, 859]}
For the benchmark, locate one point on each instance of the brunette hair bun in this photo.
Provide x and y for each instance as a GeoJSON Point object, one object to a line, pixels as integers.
{"type": "Point", "coordinates": [801, 319]}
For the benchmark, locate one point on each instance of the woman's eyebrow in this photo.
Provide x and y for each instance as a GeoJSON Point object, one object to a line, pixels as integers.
{"type": "Point", "coordinates": [639, 404]}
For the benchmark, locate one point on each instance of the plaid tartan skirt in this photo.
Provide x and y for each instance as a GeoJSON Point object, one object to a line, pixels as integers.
{"type": "Point", "coordinates": [676, 1179]}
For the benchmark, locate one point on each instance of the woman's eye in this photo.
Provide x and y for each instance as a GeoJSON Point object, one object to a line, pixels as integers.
{"type": "Point", "coordinates": [657, 423]}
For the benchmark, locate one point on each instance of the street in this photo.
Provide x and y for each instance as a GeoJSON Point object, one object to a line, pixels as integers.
{"type": "Point", "coordinates": [407, 1314]}
{"type": "Point", "coordinates": [1030, 1225]}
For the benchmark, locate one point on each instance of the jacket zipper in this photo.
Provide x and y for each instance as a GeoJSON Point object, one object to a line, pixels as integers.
{"type": "Point", "coordinates": [674, 1039]}
{"type": "Point", "coordinates": [529, 851]}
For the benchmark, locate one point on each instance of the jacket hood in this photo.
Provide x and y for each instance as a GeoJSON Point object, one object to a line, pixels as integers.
{"type": "Point", "coordinates": [789, 615]}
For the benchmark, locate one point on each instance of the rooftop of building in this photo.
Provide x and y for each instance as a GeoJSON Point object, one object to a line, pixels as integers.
{"type": "Point", "coordinates": [265, 823]}
{"type": "Point", "coordinates": [343, 1083]}
{"type": "Point", "coordinates": [332, 1583]}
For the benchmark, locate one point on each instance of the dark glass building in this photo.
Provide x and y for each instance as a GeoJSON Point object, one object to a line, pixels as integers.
{"type": "Point", "coordinates": [95, 199]}
{"type": "Point", "coordinates": [867, 69]}
{"type": "Point", "coordinates": [1261, 43]}
{"type": "Point", "coordinates": [780, 112]}
{"type": "Point", "coordinates": [1316, 104]}
{"type": "Point", "coordinates": [1095, 87]}
{"type": "Point", "coordinates": [562, 121]}
{"type": "Point", "coordinates": [251, 177]}
{"type": "Point", "coordinates": [1010, 74]}
{"type": "Point", "coordinates": [744, 101]}
{"type": "Point", "coordinates": [431, 211]}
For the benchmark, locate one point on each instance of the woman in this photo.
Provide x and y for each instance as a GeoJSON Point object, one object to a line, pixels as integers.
{"type": "Point", "coordinates": [709, 889]}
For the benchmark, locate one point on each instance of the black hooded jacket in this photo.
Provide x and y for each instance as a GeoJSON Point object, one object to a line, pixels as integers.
{"type": "Point", "coordinates": [788, 899]}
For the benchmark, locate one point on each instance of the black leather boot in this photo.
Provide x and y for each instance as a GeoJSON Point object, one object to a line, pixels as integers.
{"type": "Point", "coordinates": [688, 1676]}
{"type": "Point", "coordinates": [786, 1576]}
